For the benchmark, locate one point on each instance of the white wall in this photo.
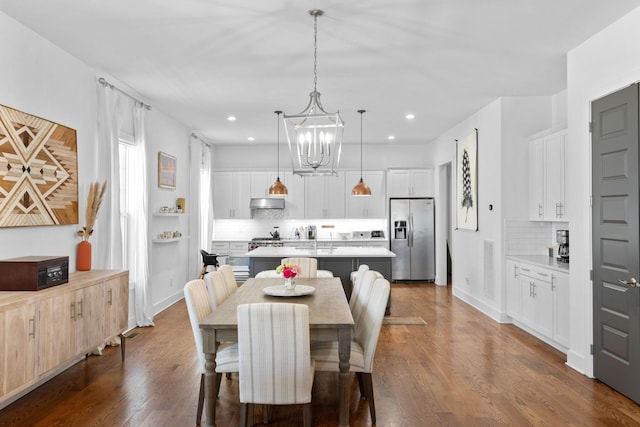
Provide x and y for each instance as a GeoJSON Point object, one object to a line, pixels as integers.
{"type": "Point", "coordinates": [608, 61]}
{"type": "Point", "coordinates": [42, 79]}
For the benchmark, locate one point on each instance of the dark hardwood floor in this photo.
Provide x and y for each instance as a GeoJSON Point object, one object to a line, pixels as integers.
{"type": "Point", "coordinates": [461, 369]}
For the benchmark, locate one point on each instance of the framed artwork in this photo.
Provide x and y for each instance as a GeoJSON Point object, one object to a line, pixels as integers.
{"type": "Point", "coordinates": [167, 165]}
{"type": "Point", "coordinates": [467, 182]}
{"type": "Point", "coordinates": [38, 171]}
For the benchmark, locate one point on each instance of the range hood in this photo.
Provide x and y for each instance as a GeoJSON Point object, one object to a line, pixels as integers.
{"type": "Point", "coordinates": [267, 203]}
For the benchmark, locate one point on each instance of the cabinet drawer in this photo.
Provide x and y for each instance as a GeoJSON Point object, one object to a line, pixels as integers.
{"type": "Point", "coordinates": [238, 248]}
{"type": "Point", "coordinates": [541, 274]}
{"type": "Point", "coordinates": [220, 247]}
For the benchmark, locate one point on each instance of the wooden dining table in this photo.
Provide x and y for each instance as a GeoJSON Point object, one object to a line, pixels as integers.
{"type": "Point", "coordinates": [329, 320]}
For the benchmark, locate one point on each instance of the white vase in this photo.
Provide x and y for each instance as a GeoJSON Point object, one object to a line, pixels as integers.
{"type": "Point", "coordinates": [289, 283]}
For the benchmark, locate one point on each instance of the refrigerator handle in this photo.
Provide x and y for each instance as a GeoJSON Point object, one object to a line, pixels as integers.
{"type": "Point", "coordinates": [410, 233]}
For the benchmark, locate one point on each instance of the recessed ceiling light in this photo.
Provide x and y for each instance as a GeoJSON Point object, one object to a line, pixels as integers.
{"type": "Point", "coordinates": [410, 116]}
{"type": "Point", "coordinates": [391, 137]}
{"type": "Point", "coordinates": [231, 118]}
{"type": "Point", "coordinates": [251, 138]}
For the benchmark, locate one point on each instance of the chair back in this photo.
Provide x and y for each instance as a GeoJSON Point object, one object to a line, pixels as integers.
{"type": "Point", "coordinates": [267, 274]}
{"type": "Point", "coordinates": [229, 278]}
{"type": "Point", "coordinates": [367, 327]}
{"type": "Point", "coordinates": [274, 353]}
{"type": "Point", "coordinates": [309, 266]}
{"type": "Point", "coordinates": [356, 284]}
{"type": "Point", "coordinates": [198, 306]}
{"type": "Point", "coordinates": [217, 288]}
{"type": "Point", "coordinates": [360, 297]}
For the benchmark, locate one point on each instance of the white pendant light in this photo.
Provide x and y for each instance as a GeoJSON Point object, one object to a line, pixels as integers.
{"type": "Point", "coordinates": [278, 188]}
{"type": "Point", "coordinates": [314, 136]}
{"type": "Point", "coordinates": [361, 189]}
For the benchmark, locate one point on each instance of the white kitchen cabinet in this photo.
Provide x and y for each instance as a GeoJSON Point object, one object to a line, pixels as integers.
{"type": "Point", "coordinates": [547, 169]}
{"type": "Point", "coordinates": [410, 183]}
{"type": "Point", "coordinates": [513, 289]}
{"type": "Point", "coordinates": [373, 206]}
{"type": "Point", "coordinates": [538, 299]}
{"type": "Point", "coordinates": [560, 285]}
{"type": "Point", "coordinates": [324, 197]}
{"type": "Point", "coordinates": [231, 195]}
{"type": "Point", "coordinates": [294, 201]}
{"type": "Point", "coordinates": [260, 183]}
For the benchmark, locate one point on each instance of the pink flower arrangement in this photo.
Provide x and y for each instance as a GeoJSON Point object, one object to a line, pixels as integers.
{"type": "Point", "coordinates": [288, 270]}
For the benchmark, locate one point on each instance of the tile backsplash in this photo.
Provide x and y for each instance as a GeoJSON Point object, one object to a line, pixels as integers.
{"type": "Point", "coordinates": [524, 237]}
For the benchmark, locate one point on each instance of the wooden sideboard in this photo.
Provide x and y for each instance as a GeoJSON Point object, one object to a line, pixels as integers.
{"type": "Point", "coordinates": [44, 332]}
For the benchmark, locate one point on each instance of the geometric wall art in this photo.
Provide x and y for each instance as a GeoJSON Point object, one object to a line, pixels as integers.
{"type": "Point", "coordinates": [467, 182]}
{"type": "Point", "coordinates": [38, 171]}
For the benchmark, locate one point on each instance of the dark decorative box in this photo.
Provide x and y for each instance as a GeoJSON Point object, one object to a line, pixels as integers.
{"type": "Point", "coordinates": [32, 273]}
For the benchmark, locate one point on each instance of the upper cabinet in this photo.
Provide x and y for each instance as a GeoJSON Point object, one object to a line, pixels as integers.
{"type": "Point", "coordinates": [324, 196]}
{"type": "Point", "coordinates": [231, 194]}
{"type": "Point", "coordinates": [294, 201]}
{"type": "Point", "coordinates": [410, 183]}
{"type": "Point", "coordinates": [368, 206]}
{"type": "Point", "coordinates": [547, 167]}
{"type": "Point", "coordinates": [260, 183]}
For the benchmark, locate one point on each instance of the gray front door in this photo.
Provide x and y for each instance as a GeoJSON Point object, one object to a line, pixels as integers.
{"type": "Point", "coordinates": [616, 299]}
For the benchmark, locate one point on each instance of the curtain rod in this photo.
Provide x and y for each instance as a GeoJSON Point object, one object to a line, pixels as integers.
{"type": "Point", "coordinates": [103, 82]}
{"type": "Point", "coordinates": [195, 136]}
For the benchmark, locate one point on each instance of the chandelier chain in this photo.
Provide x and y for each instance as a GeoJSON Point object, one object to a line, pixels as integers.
{"type": "Point", "coordinates": [315, 52]}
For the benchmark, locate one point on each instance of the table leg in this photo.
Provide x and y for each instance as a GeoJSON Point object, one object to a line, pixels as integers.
{"type": "Point", "coordinates": [210, 389]}
{"type": "Point", "coordinates": [344, 354]}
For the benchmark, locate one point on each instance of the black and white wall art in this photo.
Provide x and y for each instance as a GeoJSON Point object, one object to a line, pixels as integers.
{"type": "Point", "coordinates": [467, 182]}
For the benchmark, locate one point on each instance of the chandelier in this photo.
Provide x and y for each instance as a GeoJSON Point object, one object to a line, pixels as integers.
{"type": "Point", "coordinates": [314, 136]}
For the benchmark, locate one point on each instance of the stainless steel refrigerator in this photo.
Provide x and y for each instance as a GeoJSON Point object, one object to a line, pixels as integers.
{"type": "Point", "coordinates": [412, 237]}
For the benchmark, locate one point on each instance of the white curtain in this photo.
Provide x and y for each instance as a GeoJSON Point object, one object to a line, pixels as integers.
{"type": "Point", "coordinates": [138, 253]}
{"type": "Point", "coordinates": [108, 235]}
{"type": "Point", "coordinates": [200, 203]}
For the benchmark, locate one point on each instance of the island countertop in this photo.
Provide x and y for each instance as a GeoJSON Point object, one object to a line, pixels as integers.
{"type": "Point", "coordinates": [337, 252]}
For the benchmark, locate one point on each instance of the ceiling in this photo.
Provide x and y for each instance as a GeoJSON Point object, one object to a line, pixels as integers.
{"type": "Point", "coordinates": [203, 60]}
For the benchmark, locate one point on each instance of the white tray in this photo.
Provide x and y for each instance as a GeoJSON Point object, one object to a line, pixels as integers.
{"type": "Point", "coordinates": [280, 291]}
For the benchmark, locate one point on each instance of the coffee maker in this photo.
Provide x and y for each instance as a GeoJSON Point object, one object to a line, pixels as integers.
{"type": "Point", "coordinates": [562, 238]}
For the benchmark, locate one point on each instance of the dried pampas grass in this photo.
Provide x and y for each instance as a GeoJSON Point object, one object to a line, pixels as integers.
{"type": "Point", "coordinates": [94, 200]}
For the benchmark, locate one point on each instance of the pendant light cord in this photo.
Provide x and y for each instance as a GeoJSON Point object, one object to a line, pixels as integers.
{"type": "Point", "coordinates": [278, 112]}
{"type": "Point", "coordinates": [361, 112]}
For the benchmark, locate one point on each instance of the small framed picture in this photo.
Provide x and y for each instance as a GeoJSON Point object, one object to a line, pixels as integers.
{"type": "Point", "coordinates": [167, 166]}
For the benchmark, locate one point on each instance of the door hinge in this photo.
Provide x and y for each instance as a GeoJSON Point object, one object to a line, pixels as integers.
{"type": "Point", "coordinates": [591, 349]}
{"type": "Point", "coordinates": [591, 275]}
{"type": "Point", "coordinates": [590, 127]}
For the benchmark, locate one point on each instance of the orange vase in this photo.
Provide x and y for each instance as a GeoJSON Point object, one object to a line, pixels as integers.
{"type": "Point", "coordinates": [83, 259]}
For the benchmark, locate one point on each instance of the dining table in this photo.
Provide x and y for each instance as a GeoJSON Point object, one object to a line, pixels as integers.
{"type": "Point", "coordinates": [329, 320]}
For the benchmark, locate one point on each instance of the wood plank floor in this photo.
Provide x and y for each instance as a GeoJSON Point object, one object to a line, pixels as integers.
{"type": "Point", "coordinates": [461, 369]}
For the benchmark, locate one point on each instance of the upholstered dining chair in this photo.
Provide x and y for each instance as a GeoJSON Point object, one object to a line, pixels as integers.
{"type": "Point", "coordinates": [356, 278]}
{"type": "Point", "coordinates": [360, 296]}
{"type": "Point", "coordinates": [229, 278]}
{"type": "Point", "coordinates": [198, 306]}
{"type": "Point", "coordinates": [217, 288]}
{"type": "Point", "coordinates": [274, 355]}
{"type": "Point", "coordinates": [309, 266]}
{"type": "Point", "coordinates": [267, 274]}
{"type": "Point", "coordinates": [363, 346]}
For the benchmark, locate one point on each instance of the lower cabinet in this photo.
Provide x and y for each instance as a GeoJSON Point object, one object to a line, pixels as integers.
{"type": "Point", "coordinates": [538, 299]}
{"type": "Point", "coordinates": [42, 332]}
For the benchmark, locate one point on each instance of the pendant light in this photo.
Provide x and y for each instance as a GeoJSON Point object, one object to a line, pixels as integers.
{"type": "Point", "coordinates": [314, 136]}
{"type": "Point", "coordinates": [278, 188]}
{"type": "Point", "coordinates": [361, 189]}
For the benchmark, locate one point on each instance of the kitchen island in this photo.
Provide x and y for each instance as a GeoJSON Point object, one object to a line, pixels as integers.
{"type": "Point", "coordinates": [341, 260]}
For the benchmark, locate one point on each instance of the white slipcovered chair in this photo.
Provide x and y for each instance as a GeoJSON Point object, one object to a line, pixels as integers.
{"type": "Point", "coordinates": [356, 278]}
{"type": "Point", "coordinates": [198, 306]}
{"type": "Point", "coordinates": [217, 288]}
{"type": "Point", "coordinates": [365, 339]}
{"type": "Point", "coordinates": [229, 278]}
{"type": "Point", "coordinates": [274, 355]}
{"type": "Point", "coordinates": [267, 274]}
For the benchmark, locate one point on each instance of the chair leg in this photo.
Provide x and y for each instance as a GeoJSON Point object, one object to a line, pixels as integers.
{"type": "Point", "coordinates": [218, 381]}
{"type": "Point", "coordinates": [228, 375]}
{"type": "Point", "coordinates": [243, 414]}
{"type": "Point", "coordinates": [203, 270]}
{"type": "Point", "coordinates": [265, 414]}
{"type": "Point", "coordinates": [306, 413]}
{"type": "Point", "coordinates": [368, 387]}
{"type": "Point", "coordinates": [361, 384]}
{"type": "Point", "coordinates": [200, 401]}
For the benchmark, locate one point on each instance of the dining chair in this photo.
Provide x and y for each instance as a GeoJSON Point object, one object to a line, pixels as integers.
{"type": "Point", "coordinates": [363, 345]}
{"type": "Point", "coordinates": [356, 278]}
{"type": "Point", "coordinates": [217, 288]}
{"type": "Point", "coordinates": [198, 306]}
{"type": "Point", "coordinates": [361, 295]}
{"type": "Point", "coordinates": [274, 356]}
{"type": "Point", "coordinates": [229, 278]}
{"type": "Point", "coordinates": [267, 274]}
{"type": "Point", "coordinates": [309, 266]}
